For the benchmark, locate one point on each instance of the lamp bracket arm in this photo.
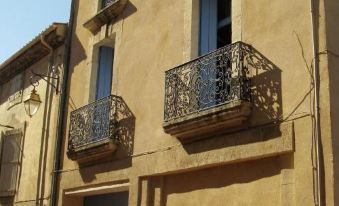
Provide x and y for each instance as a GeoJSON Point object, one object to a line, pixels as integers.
{"type": "Point", "coordinates": [6, 126]}
{"type": "Point", "coordinates": [45, 78]}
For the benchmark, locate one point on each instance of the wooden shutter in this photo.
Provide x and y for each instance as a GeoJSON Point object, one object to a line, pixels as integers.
{"type": "Point", "coordinates": [10, 161]}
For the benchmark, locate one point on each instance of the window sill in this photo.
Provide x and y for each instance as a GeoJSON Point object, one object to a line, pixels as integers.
{"type": "Point", "coordinates": [105, 15]}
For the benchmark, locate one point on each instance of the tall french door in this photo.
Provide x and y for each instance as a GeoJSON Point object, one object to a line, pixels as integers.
{"type": "Point", "coordinates": [105, 72]}
{"type": "Point", "coordinates": [215, 32]}
{"type": "Point", "coordinates": [101, 115]}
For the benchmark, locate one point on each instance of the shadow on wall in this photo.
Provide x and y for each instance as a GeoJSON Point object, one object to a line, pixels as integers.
{"type": "Point", "coordinates": [125, 130]}
{"type": "Point", "coordinates": [266, 98]}
{"type": "Point", "coordinates": [128, 10]}
{"type": "Point", "coordinates": [331, 8]}
{"type": "Point", "coordinates": [78, 53]}
{"type": "Point", "coordinates": [265, 88]}
{"type": "Point", "coordinates": [7, 200]}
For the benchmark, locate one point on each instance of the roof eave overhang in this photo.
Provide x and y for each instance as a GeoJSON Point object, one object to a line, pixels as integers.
{"type": "Point", "coordinates": [32, 52]}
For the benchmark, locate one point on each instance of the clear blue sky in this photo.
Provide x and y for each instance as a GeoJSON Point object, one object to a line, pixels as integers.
{"type": "Point", "coordinates": [22, 20]}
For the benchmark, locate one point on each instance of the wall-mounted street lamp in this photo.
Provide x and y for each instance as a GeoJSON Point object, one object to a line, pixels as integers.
{"type": "Point", "coordinates": [32, 102]}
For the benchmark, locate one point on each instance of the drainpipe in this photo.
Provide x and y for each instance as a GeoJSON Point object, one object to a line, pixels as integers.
{"type": "Point", "coordinates": [51, 56]}
{"type": "Point", "coordinates": [43, 132]}
{"type": "Point", "coordinates": [51, 59]}
{"type": "Point", "coordinates": [61, 113]}
{"type": "Point", "coordinates": [316, 106]}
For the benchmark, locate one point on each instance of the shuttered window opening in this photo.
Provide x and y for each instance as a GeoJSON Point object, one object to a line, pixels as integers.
{"type": "Point", "coordinates": [10, 161]}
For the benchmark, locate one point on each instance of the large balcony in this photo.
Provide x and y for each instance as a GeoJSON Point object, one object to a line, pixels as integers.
{"type": "Point", "coordinates": [98, 128]}
{"type": "Point", "coordinates": [212, 93]}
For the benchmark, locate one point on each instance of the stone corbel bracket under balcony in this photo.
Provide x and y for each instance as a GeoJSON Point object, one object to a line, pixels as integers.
{"type": "Point", "coordinates": [105, 15]}
{"type": "Point", "coordinates": [210, 122]}
{"type": "Point", "coordinates": [93, 152]}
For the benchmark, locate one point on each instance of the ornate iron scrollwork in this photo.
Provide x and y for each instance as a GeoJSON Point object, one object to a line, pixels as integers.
{"type": "Point", "coordinates": [100, 121]}
{"type": "Point", "coordinates": [215, 79]}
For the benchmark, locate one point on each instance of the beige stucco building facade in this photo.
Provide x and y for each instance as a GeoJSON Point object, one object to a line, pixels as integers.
{"type": "Point", "coordinates": [27, 142]}
{"type": "Point", "coordinates": [197, 102]}
{"type": "Point", "coordinates": [271, 150]}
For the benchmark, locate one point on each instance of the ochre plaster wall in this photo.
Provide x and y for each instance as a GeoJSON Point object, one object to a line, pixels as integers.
{"type": "Point", "coordinates": [252, 183]}
{"type": "Point", "coordinates": [153, 36]}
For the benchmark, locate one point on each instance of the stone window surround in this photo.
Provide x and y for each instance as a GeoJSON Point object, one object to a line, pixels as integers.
{"type": "Point", "coordinates": [192, 27]}
{"type": "Point", "coordinates": [108, 35]}
{"type": "Point", "coordinates": [109, 42]}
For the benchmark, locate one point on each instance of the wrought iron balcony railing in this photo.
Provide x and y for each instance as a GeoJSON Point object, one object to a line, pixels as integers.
{"type": "Point", "coordinates": [106, 3]}
{"type": "Point", "coordinates": [206, 83]}
{"type": "Point", "coordinates": [97, 123]}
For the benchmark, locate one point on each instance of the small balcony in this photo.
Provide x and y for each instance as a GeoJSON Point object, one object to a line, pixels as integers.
{"type": "Point", "coordinates": [110, 10]}
{"type": "Point", "coordinates": [97, 129]}
{"type": "Point", "coordinates": [208, 95]}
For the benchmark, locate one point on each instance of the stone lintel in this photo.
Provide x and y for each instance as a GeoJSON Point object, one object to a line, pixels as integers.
{"type": "Point", "coordinates": [250, 144]}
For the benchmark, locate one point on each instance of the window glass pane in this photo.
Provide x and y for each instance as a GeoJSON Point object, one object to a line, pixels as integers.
{"type": "Point", "coordinates": [224, 36]}
{"type": "Point", "coordinates": [224, 33]}
{"type": "Point", "coordinates": [224, 9]}
{"type": "Point", "coordinates": [113, 199]}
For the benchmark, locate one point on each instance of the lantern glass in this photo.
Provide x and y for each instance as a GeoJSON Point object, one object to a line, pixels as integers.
{"type": "Point", "coordinates": [32, 103]}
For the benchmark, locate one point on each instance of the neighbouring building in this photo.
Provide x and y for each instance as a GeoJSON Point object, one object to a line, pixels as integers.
{"type": "Point", "coordinates": [29, 108]}
{"type": "Point", "coordinates": [191, 102]}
